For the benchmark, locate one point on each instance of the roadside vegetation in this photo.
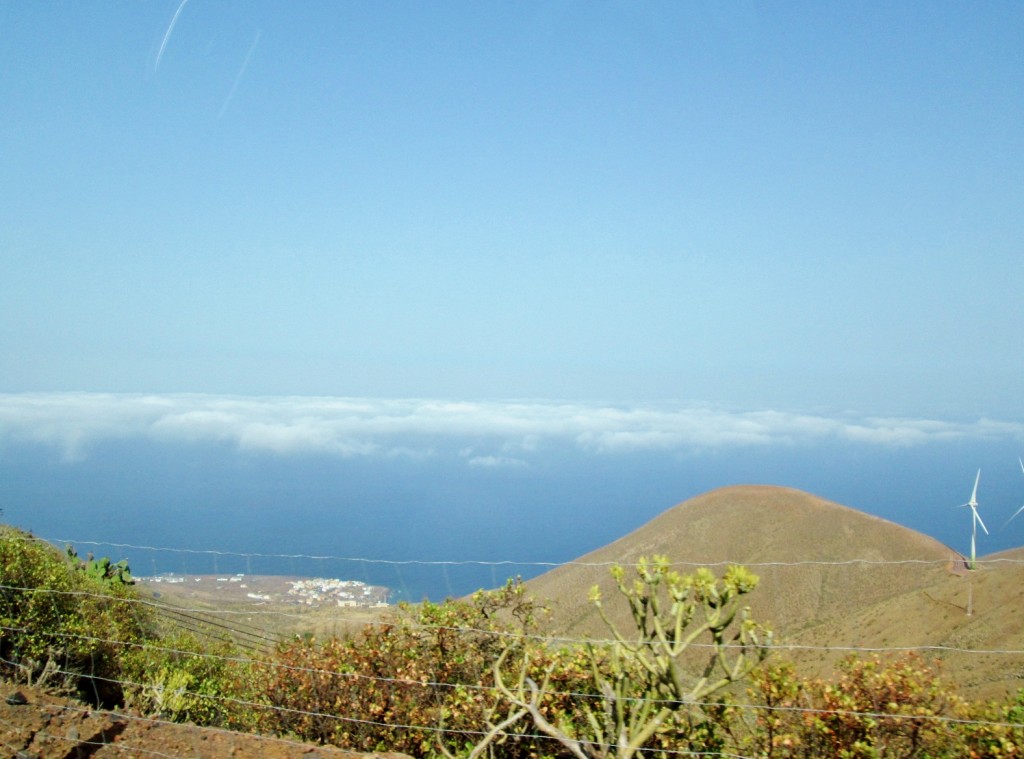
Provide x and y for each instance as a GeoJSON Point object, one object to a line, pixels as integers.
{"type": "Point", "coordinates": [692, 673]}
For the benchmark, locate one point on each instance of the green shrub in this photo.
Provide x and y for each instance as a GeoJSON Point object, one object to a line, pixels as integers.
{"type": "Point", "coordinates": [103, 569]}
{"type": "Point", "coordinates": [471, 678]}
{"type": "Point", "coordinates": [776, 724]}
{"type": "Point", "coordinates": [876, 707]}
{"type": "Point", "coordinates": [187, 679]}
{"type": "Point", "coordinates": [398, 685]}
{"type": "Point", "coordinates": [54, 617]}
{"type": "Point", "coordinates": [651, 689]}
{"type": "Point", "coordinates": [883, 709]}
{"type": "Point", "coordinates": [993, 730]}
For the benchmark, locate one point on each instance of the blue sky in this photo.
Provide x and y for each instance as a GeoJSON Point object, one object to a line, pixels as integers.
{"type": "Point", "coordinates": [409, 265]}
{"type": "Point", "coordinates": [809, 209]}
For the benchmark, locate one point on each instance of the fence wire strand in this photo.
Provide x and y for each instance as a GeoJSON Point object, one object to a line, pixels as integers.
{"type": "Point", "coordinates": [259, 644]}
{"type": "Point", "coordinates": [953, 556]}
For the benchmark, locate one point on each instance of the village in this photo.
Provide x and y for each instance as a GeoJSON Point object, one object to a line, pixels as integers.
{"type": "Point", "coordinates": [312, 592]}
{"type": "Point", "coordinates": [316, 591]}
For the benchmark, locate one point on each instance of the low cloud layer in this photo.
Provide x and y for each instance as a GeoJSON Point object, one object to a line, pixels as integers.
{"type": "Point", "coordinates": [483, 433]}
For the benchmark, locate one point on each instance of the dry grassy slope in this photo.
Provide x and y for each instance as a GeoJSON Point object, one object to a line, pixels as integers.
{"type": "Point", "coordinates": [937, 615]}
{"type": "Point", "coordinates": [754, 525]}
{"type": "Point", "coordinates": [919, 603]}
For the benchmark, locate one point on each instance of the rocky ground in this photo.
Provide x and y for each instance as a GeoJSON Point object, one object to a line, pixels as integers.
{"type": "Point", "coordinates": [35, 724]}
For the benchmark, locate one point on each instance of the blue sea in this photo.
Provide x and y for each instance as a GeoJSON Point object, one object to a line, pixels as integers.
{"type": "Point", "coordinates": [430, 527]}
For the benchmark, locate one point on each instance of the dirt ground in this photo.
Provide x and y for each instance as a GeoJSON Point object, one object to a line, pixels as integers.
{"type": "Point", "coordinates": [35, 724]}
{"type": "Point", "coordinates": [263, 604]}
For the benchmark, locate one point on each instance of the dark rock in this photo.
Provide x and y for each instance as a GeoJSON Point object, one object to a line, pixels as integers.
{"type": "Point", "coordinates": [17, 699]}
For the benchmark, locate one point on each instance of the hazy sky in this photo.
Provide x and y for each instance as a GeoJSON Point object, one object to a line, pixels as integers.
{"type": "Point", "coordinates": [814, 208]}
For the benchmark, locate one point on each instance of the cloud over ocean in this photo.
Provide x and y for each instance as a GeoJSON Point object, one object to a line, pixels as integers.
{"type": "Point", "coordinates": [354, 427]}
{"type": "Point", "coordinates": [369, 480]}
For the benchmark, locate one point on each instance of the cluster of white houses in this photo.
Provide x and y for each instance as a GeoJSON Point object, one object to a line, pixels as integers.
{"type": "Point", "coordinates": [317, 591]}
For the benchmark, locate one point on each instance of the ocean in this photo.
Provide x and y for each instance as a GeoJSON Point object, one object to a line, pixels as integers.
{"type": "Point", "coordinates": [430, 526]}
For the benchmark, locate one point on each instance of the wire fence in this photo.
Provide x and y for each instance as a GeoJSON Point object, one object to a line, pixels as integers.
{"type": "Point", "coordinates": [414, 579]}
{"type": "Point", "coordinates": [471, 735]}
{"type": "Point", "coordinates": [210, 623]}
{"type": "Point", "coordinates": [254, 630]}
{"type": "Point", "coordinates": [544, 565]}
{"type": "Point", "coordinates": [271, 663]}
{"type": "Point", "coordinates": [227, 619]}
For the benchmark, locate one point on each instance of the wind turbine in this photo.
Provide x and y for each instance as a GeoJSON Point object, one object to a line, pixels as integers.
{"type": "Point", "coordinates": [975, 516]}
{"type": "Point", "coordinates": [1018, 511]}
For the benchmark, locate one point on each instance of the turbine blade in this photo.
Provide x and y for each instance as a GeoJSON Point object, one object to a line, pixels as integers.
{"type": "Point", "coordinates": [1018, 511]}
{"type": "Point", "coordinates": [978, 517]}
{"type": "Point", "coordinates": [1021, 463]}
{"type": "Point", "coordinates": [974, 493]}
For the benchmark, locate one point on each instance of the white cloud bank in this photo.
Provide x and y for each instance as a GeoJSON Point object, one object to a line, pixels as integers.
{"type": "Point", "coordinates": [498, 433]}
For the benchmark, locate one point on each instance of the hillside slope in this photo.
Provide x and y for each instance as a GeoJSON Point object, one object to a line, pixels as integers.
{"type": "Point", "coordinates": [832, 578]}
{"type": "Point", "coordinates": [790, 538]}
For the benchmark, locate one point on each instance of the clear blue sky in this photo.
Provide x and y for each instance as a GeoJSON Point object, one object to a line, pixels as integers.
{"type": "Point", "coordinates": [764, 206]}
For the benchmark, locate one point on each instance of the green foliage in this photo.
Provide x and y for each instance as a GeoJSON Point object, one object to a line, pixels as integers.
{"type": "Point", "coordinates": [775, 730]}
{"type": "Point", "coordinates": [53, 616]}
{"type": "Point", "coordinates": [881, 710]}
{"type": "Point", "coordinates": [993, 730]}
{"type": "Point", "coordinates": [428, 666]}
{"type": "Point", "coordinates": [471, 678]}
{"type": "Point", "coordinates": [102, 570]}
{"type": "Point", "coordinates": [648, 691]}
{"type": "Point", "coordinates": [188, 679]}
{"type": "Point", "coordinates": [84, 619]}
{"type": "Point", "coordinates": [876, 708]}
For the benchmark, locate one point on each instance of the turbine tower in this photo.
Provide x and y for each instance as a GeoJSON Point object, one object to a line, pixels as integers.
{"type": "Point", "coordinates": [975, 516]}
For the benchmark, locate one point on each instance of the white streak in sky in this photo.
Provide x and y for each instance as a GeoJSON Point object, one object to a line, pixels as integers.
{"type": "Point", "coordinates": [484, 434]}
{"type": "Point", "coordinates": [241, 72]}
{"type": "Point", "coordinates": [167, 34]}
{"type": "Point", "coordinates": [489, 462]}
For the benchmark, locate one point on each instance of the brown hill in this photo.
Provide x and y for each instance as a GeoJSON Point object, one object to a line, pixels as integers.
{"type": "Point", "coordinates": [816, 559]}
{"type": "Point", "coordinates": [1009, 555]}
{"type": "Point", "coordinates": [832, 578]}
